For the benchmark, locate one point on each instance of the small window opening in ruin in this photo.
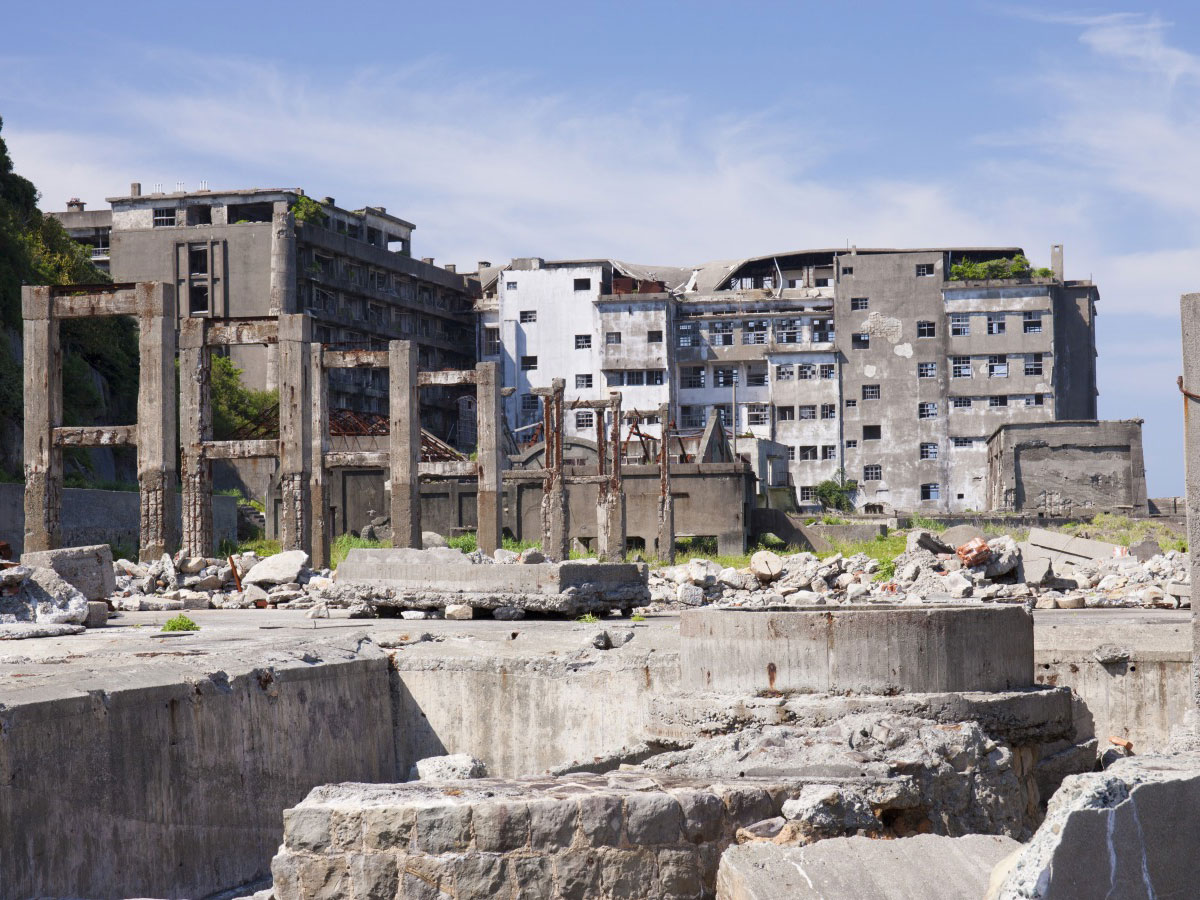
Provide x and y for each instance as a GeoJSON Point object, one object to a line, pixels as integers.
{"type": "Point", "coordinates": [995, 324]}
{"type": "Point", "coordinates": [635, 377]}
{"type": "Point", "coordinates": [164, 217]}
{"type": "Point", "coordinates": [873, 473]}
{"type": "Point", "coordinates": [528, 363]}
{"type": "Point", "coordinates": [198, 260]}
{"type": "Point", "coordinates": [654, 337]}
{"type": "Point", "coordinates": [693, 377]}
{"type": "Point", "coordinates": [960, 496]}
{"type": "Point", "coordinates": [960, 366]}
{"type": "Point", "coordinates": [851, 443]}
{"type": "Point", "coordinates": [1033, 364]}
{"type": "Point", "coordinates": [1035, 400]}
{"type": "Point", "coordinates": [784, 372]}
{"type": "Point", "coordinates": [962, 402]}
{"type": "Point", "coordinates": [847, 270]}
{"type": "Point", "coordinates": [756, 378]}
{"type": "Point", "coordinates": [859, 304]}
{"type": "Point", "coordinates": [808, 493]}
{"type": "Point", "coordinates": [964, 442]}
{"type": "Point", "coordinates": [530, 403]}
{"type": "Point", "coordinates": [828, 410]}
{"type": "Point", "coordinates": [931, 491]}
{"type": "Point", "coordinates": [1033, 323]}
{"type": "Point", "coordinates": [929, 450]}
{"type": "Point", "coordinates": [612, 337]}
{"type": "Point", "coordinates": [614, 379]}
{"type": "Point", "coordinates": [583, 381]}
{"type": "Point", "coordinates": [870, 392]}
{"type": "Point", "coordinates": [827, 371]}
{"type": "Point", "coordinates": [821, 282]}
{"type": "Point", "coordinates": [754, 331]}
{"type": "Point", "coordinates": [758, 414]}
{"type": "Point", "coordinates": [926, 329]}
{"type": "Point", "coordinates": [785, 413]}
{"type": "Point", "coordinates": [998, 366]}
{"type": "Point", "coordinates": [510, 285]}
{"type": "Point", "coordinates": [726, 377]}
{"type": "Point", "coordinates": [872, 432]}
{"type": "Point", "coordinates": [860, 341]}
{"type": "Point", "coordinates": [491, 342]}
{"type": "Point", "coordinates": [686, 333]}
{"type": "Point", "coordinates": [927, 370]}
{"type": "Point", "coordinates": [691, 416]}
{"type": "Point", "coordinates": [528, 315]}
{"type": "Point", "coordinates": [243, 213]}
{"type": "Point", "coordinates": [873, 509]}
{"type": "Point", "coordinates": [998, 400]}
{"type": "Point", "coordinates": [583, 342]}
{"type": "Point", "coordinates": [807, 453]}
{"type": "Point", "coordinates": [851, 403]}
{"type": "Point", "coordinates": [807, 411]}
{"type": "Point", "coordinates": [828, 451]}
{"type": "Point", "coordinates": [926, 410]}
{"type": "Point", "coordinates": [198, 299]}
{"type": "Point", "coordinates": [583, 284]}
{"type": "Point", "coordinates": [720, 334]}
{"type": "Point", "coordinates": [199, 215]}
{"type": "Point", "coordinates": [960, 325]}
{"type": "Point", "coordinates": [585, 419]}
{"type": "Point", "coordinates": [924, 270]}
{"type": "Point", "coordinates": [655, 376]}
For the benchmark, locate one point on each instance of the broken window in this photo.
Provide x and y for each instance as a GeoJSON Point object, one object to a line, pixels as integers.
{"type": "Point", "coordinates": [241, 213]}
{"type": "Point", "coordinates": [725, 377]}
{"type": "Point", "coordinates": [929, 450]}
{"type": "Point", "coordinates": [583, 284]}
{"type": "Point", "coordinates": [198, 259]}
{"type": "Point", "coordinates": [1035, 400]}
{"type": "Point", "coordinates": [787, 331]}
{"type": "Point", "coordinates": [686, 333]}
{"type": "Point", "coordinates": [530, 403]}
{"type": "Point", "coordinates": [1033, 364]}
{"type": "Point", "coordinates": [808, 494]}
{"type": "Point", "coordinates": [724, 413]}
{"type": "Point", "coordinates": [585, 419]}
{"type": "Point", "coordinates": [635, 377]}
{"type": "Point", "coordinates": [873, 473]}
{"type": "Point", "coordinates": [198, 299]}
{"type": "Point", "coordinates": [754, 331]}
{"type": "Point", "coordinates": [583, 381]}
{"type": "Point", "coordinates": [164, 217]}
{"type": "Point", "coordinates": [692, 416]}
{"type": "Point", "coordinates": [960, 325]}
{"type": "Point", "coordinates": [808, 453]}
{"type": "Point", "coordinates": [807, 411]}
{"type": "Point", "coordinates": [614, 379]}
{"type": "Point", "coordinates": [199, 215]}
{"type": "Point", "coordinates": [1032, 323]}
{"type": "Point", "coordinates": [828, 451]}
{"type": "Point", "coordinates": [995, 324]}
{"type": "Point", "coordinates": [784, 372]}
{"type": "Point", "coordinates": [529, 315]}
{"type": "Point", "coordinates": [720, 334]}
{"type": "Point", "coordinates": [872, 432]}
{"type": "Point", "coordinates": [927, 370]}
{"type": "Point", "coordinates": [528, 363]}
{"type": "Point", "coordinates": [758, 414]}
{"type": "Point", "coordinates": [962, 402]}
{"type": "Point", "coordinates": [828, 410]}
{"type": "Point", "coordinates": [931, 491]}
{"type": "Point", "coordinates": [960, 366]}
{"type": "Point", "coordinates": [998, 400]}
{"type": "Point", "coordinates": [851, 403]}
{"type": "Point", "coordinates": [963, 442]}
{"type": "Point", "coordinates": [924, 270]}
{"type": "Point", "coordinates": [806, 371]}
{"type": "Point", "coordinates": [612, 337]}
{"type": "Point", "coordinates": [785, 413]}
{"type": "Point", "coordinates": [654, 376]}
{"type": "Point", "coordinates": [583, 342]}
{"type": "Point", "coordinates": [859, 304]}
{"type": "Point", "coordinates": [847, 270]}
{"type": "Point", "coordinates": [926, 410]}
{"type": "Point", "coordinates": [693, 377]}
{"type": "Point", "coordinates": [654, 337]}
{"type": "Point", "coordinates": [926, 329]}
{"type": "Point", "coordinates": [828, 371]}
{"type": "Point", "coordinates": [820, 282]}
{"type": "Point", "coordinates": [510, 285]}
{"type": "Point", "coordinates": [756, 378]}
{"type": "Point", "coordinates": [823, 331]}
{"type": "Point", "coordinates": [870, 392]}
{"type": "Point", "coordinates": [860, 341]}
{"type": "Point", "coordinates": [998, 366]}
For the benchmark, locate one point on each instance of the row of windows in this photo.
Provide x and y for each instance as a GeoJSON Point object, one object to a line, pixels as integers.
{"type": "Point", "coordinates": [808, 453]}
{"type": "Point", "coordinates": [960, 326]}
{"type": "Point", "coordinates": [580, 284]}
{"type": "Point", "coordinates": [805, 411]}
{"type": "Point", "coordinates": [754, 331]}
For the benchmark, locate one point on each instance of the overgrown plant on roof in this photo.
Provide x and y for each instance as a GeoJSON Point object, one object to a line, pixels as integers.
{"type": "Point", "coordinates": [1001, 268]}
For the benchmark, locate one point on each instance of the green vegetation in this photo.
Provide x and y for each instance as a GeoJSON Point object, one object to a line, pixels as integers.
{"type": "Point", "coordinates": [235, 406]}
{"type": "Point", "coordinates": [1017, 267]}
{"type": "Point", "coordinates": [924, 524]}
{"type": "Point", "coordinates": [833, 520]}
{"type": "Point", "coordinates": [588, 619]}
{"type": "Point", "coordinates": [308, 210]}
{"type": "Point", "coordinates": [837, 492]}
{"type": "Point", "coordinates": [1126, 531]}
{"type": "Point", "coordinates": [467, 543]}
{"type": "Point", "coordinates": [180, 623]}
{"type": "Point", "coordinates": [344, 543]}
{"type": "Point", "coordinates": [77, 480]}
{"type": "Point", "coordinates": [260, 546]}
{"type": "Point", "coordinates": [637, 618]}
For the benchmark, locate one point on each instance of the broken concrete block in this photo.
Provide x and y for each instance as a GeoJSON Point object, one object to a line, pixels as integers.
{"type": "Point", "coordinates": [532, 556]}
{"type": "Point", "coordinates": [281, 568]}
{"type": "Point", "coordinates": [691, 594]}
{"type": "Point", "coordinates": [1145, 550]}
{"type": "Point", "coordinates": [926, 540]}
{"type": "Point", "coordinates": [506, 557]}
{"type": "Point", "coordinates": [1036, 571]}
{"type": "Point", "coordinates": [192, 565]}
{"type": "Point", "coordinates": [432, 539]}
{"type": "Point", "coordinates": [459, 611]}
{"type": "Point", "coordinates": [958, 585]}
{"type": "Point", "coordinates": [766, 566]}
{"type": "Point", "coordinates": [448, 768]}
{"type": "Point", "coordinates": [961, 534]}
{"type": "Point", "coordinates": [88, 569]}
{"type": "Point", "coordinates": [1072, 601]}
{"type": "Point", "coordinates": [508, 613]}
{"type": "Point", "coordinates": [43, 597]}
{"type": "Point", "coordinates": [97, 614]}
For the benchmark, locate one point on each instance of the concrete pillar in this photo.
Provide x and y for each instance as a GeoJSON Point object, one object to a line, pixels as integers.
{"type": "Point", "coordinates": [489, 497]}
{"type": "Point", "coordinates": [318, 495]}
{"type": "Point", "coordinates": [43, 413]}
{"type": "Point", "coordinates": [157, 423]}
{"type": "Point", "coordinates": [554, 488]}
{"type": "Point", "coordinates": [295, 430]}
{"type": "Point", "coordinates": [1189, 309]}
{"type": "Point", "coordinates": [283, 260]}
{"type": "Point", "coordinates": [610, 507]}
{"type": "Point", "coordinates": [195, 427]}
{"type": "Point", "coordinates": [665, 549]}
{"type": "Point", "coordinates": [404, 413]}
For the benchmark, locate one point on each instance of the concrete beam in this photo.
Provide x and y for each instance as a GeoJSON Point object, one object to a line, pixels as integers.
{"type": "Point", "coordinates": [355, 359]}
{"type": "Point", "coordinates": [244, 331]}
{"type": "Point", "coordinates": [96, 436]}
{"type": "Point", "coordinates": [449, 469]}
{"type": "Point", "coordinates": [257, 449]}
{"type": "Point", "coordinates": [450, 378]}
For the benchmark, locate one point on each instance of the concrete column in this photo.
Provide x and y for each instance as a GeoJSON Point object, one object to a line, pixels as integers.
{"type": "Point", "coordinates": [43, 412]}
{"type": "Point", "coordinates": [665, 549]}
{"type": "Point", "coordinates": [295, 430]}
{"type": "Point", "coordinates": [404, 413]}
{"type": "Point", "coordinates": [157, 423]}
{"type": "Point", "coordinates": [283, 260]}
{"type": "Point", "coordinates": [554, 488]}
{"type": "Point", "coordinates": [610, 508]}
{"type": "Point", "coordinates": [195, 427]}
{"type": "Point", "coordinates": [489, 497]}
{"type": "Point", "coordinates": [1189, 309]}
{"type": "Point", "coordinates": [320, 527]}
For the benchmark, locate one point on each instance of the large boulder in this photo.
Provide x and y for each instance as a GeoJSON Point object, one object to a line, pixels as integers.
{"type": "Point", "coordinates": [44, 597]}
{"type": "Point", "coordinates": [766, 566]}
{"type": "Point", "coordinates": [88, 569]}
{"type": "Point", "coordinates": [282, 568]}
{"type": "Point", "coordinates": [431, 539]}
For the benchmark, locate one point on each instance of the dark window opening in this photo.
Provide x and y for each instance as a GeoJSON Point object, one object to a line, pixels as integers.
{"type": "Point", "coordinates": [583, 284]}
{"type": "Point", "coordinates": [198, 299]}
{"type": "Point", "coordinates": [199, 215]}
{"type": "Point", "coordinates": [197, 260]}
{"type": "Point", "coordinates": [240, 213]}
{"type": "Point", "coordinates": [872, 432]}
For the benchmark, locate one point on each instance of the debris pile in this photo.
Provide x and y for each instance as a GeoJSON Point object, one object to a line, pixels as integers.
{"type": "Point", "coordinates": [37, 602]}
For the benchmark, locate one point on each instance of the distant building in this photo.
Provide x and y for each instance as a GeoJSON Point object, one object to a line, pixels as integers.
{"type": "Point", "coordinates": [242, 254]}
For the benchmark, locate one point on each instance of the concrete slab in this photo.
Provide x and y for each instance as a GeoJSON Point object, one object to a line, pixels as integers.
{"type": "Point", "coordinates": [1064, 544]}
{"type": "Point", "coordinates": [88, 569]}
{"type": "Point", "coordinates": [925, 867]}
{"type": "Point", "coordinates": [1129, 831]}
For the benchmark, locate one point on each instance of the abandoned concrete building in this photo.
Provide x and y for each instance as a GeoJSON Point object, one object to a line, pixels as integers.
{"type": "Point", "coordinates": [245, 254]}
{"type": "Point", "coordinates": [873, 362]}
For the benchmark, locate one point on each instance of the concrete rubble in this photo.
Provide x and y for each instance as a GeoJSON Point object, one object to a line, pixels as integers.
{"type": "Point", "coordinates": [38, 602]}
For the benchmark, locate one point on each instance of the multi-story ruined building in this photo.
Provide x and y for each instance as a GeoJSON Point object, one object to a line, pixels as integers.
{"type": "Point", "coordinates": [244, 254]}
{"type": "Point", "coordinates": [872, 362]}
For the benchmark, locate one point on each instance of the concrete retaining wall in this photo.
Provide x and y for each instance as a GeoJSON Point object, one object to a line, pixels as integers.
{"type": "Point", "coordinates": [99, 517]}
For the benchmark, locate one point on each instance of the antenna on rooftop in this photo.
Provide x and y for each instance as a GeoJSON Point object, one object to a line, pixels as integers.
{"type": "Point", "coordinates": [158, 187]}
{"type": "Point", "coordinates": [204, 184]}
{"type": "Point", "coordinates": [179, 187]}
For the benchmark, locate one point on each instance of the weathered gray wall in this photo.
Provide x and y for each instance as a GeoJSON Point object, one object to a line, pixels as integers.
{"type": "Point", "coordinates": [99, 517]}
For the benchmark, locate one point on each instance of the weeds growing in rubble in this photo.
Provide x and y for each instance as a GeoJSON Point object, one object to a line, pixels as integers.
{"type": "Point", "coordinates": [180, 623]}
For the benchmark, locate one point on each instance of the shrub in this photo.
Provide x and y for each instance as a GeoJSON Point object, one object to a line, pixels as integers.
{"type": "Point", "coordinates": [180, 623]}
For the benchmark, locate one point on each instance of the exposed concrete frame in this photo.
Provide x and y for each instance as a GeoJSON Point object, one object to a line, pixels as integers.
{"type": "Point", "coordinates": [197, 337]}
{"type": "Point", "coordinates": [402, 459]}
{"type": "Point", "coordinates": [43, 308]}
{"type": "Point", "coordinates": [1189, 314]}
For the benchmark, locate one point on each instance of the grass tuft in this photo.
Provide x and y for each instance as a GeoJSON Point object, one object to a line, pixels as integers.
{"type": "Point", "coordinates": [180, 623]}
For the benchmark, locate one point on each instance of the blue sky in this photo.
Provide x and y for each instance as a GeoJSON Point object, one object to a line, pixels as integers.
{"type": "Point", "coordinates": [665, 133]}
